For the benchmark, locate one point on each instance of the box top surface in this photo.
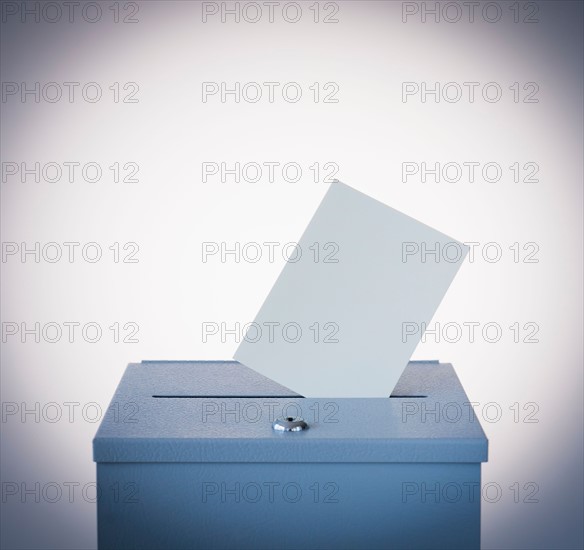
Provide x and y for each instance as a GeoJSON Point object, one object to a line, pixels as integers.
{"type": "Point", "coordinates": [222, 411]}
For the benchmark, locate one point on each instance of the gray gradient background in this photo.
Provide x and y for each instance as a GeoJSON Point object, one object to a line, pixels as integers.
{"type": "Point", "coordinates": [369, 133]}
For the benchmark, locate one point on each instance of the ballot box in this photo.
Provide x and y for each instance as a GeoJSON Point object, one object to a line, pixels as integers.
{"type": "Point", "coordinates": [211, 454]}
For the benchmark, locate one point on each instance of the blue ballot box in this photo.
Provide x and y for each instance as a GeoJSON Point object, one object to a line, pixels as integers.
{"type": "Point", "coordinates": [211, 454]}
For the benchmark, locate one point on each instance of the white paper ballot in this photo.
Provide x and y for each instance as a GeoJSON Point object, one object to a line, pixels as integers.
{"type": "Point", "coordinates": [351, 303]}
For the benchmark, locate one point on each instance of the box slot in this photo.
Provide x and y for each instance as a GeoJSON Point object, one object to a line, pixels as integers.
{"type": "Point", "coordinates": [263, 396]}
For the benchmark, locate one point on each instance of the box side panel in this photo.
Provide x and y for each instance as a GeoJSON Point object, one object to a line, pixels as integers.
{"type": "Point", "coordinates": [227, 506]}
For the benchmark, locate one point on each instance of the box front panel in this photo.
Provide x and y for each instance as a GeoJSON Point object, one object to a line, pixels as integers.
{"type": "Point", "coordinates": [289, 505]}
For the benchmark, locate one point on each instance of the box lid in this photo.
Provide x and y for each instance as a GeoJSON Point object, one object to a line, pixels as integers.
{"type": "Point", "coordinates": [222, 411]}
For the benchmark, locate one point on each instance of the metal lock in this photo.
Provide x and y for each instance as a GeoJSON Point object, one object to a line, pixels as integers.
{"type": "Point", "coordinates": [290, 424]}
